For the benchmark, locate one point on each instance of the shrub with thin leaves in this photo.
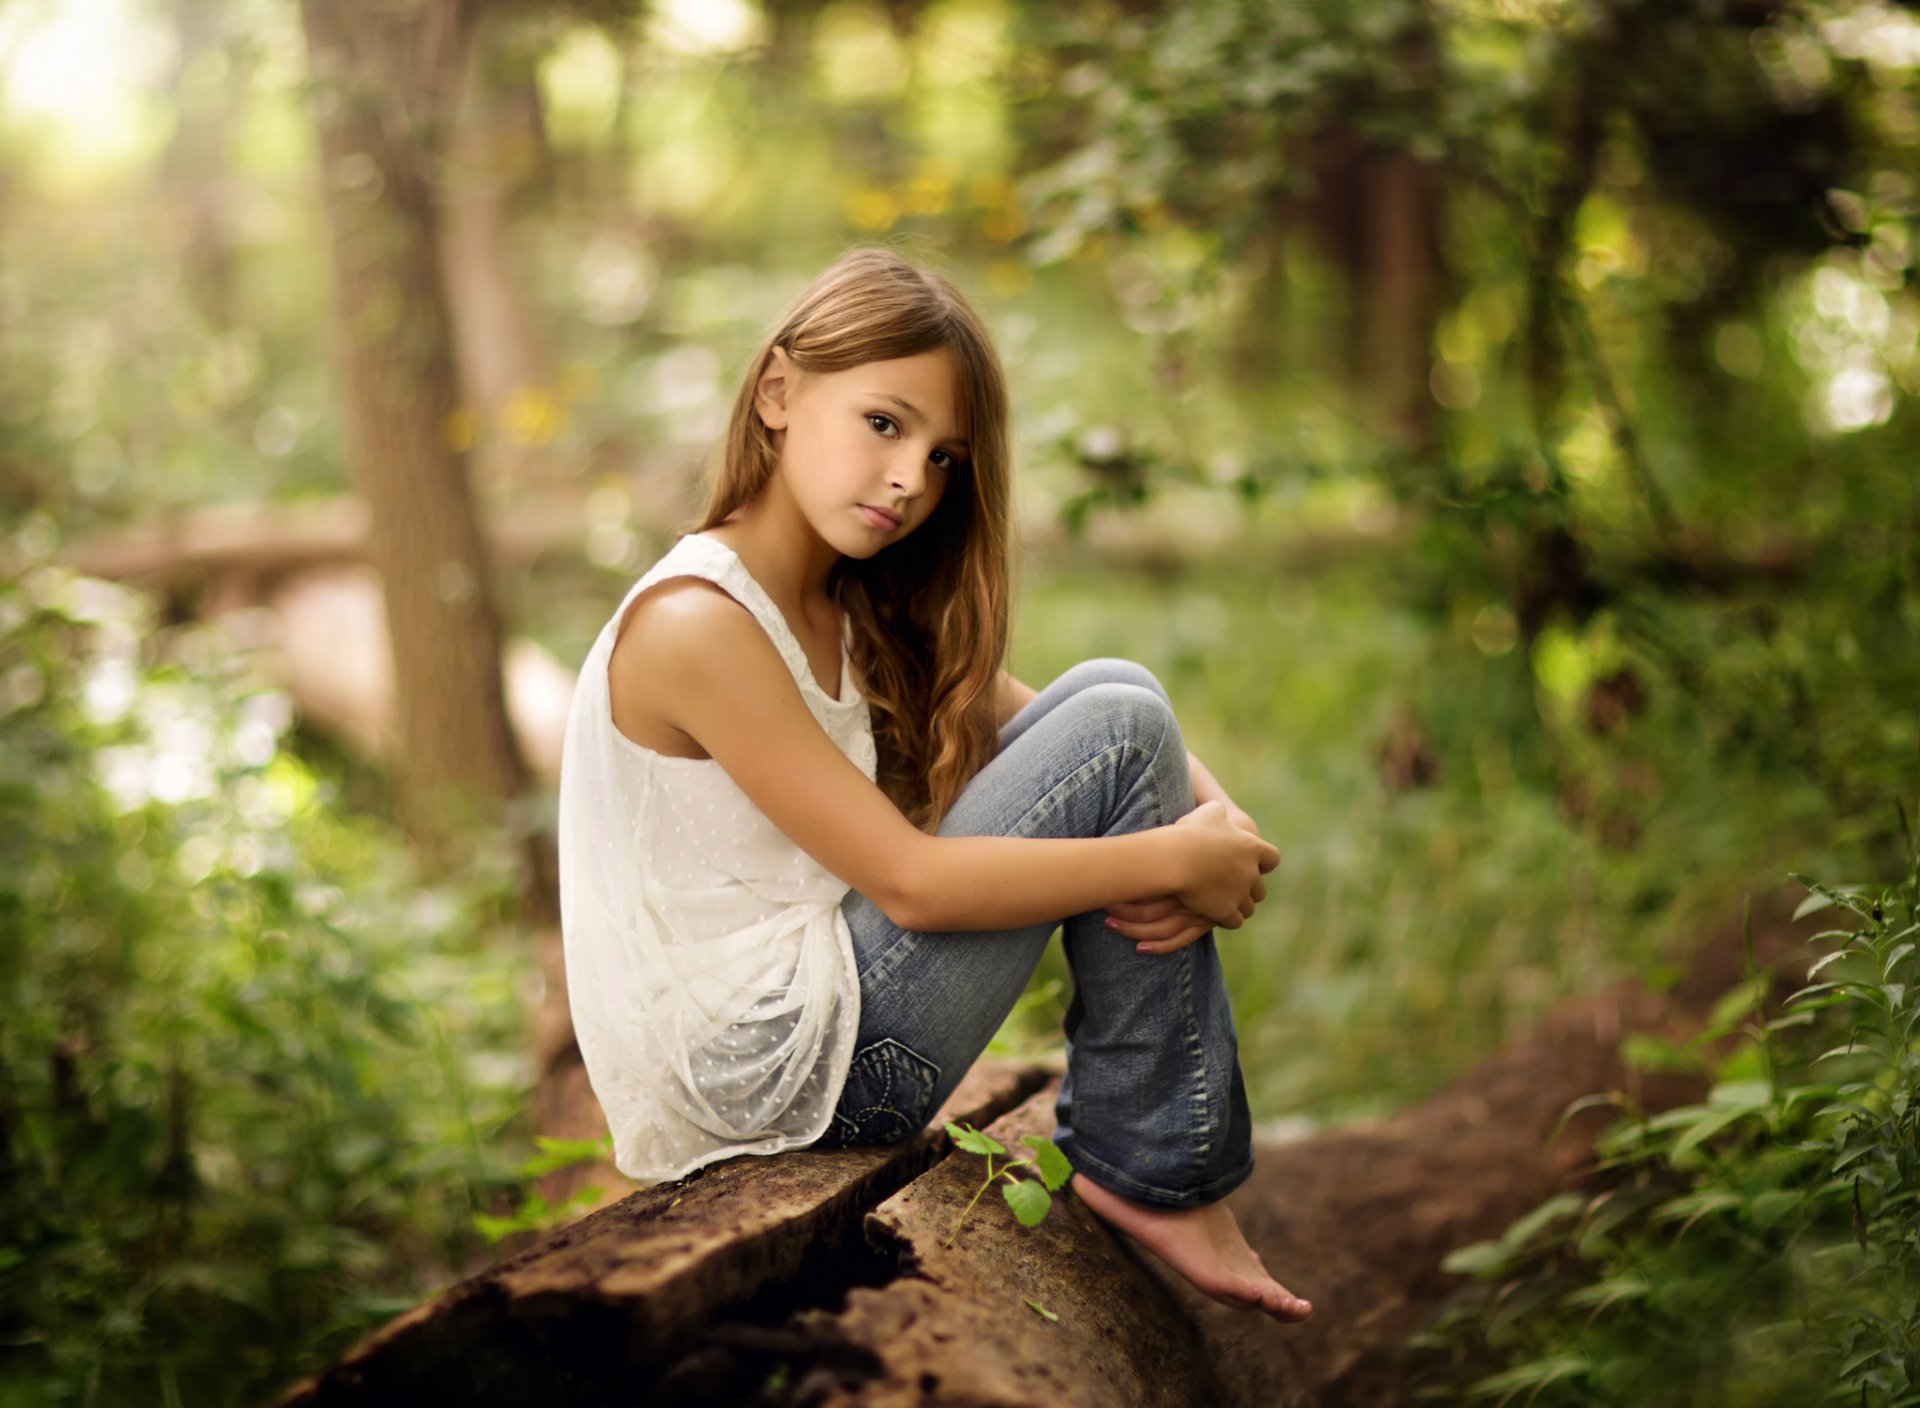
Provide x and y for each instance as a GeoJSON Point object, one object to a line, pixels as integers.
{"type": "Point", "coordinates": [253, 1073]}
{"type": "Point", "coordinates": [1760, 1247]}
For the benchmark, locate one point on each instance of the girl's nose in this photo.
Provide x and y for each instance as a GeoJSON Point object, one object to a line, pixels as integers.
{"type": "Point", "coordinates": [909, 475]}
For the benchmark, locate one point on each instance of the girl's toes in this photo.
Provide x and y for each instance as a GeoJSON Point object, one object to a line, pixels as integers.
{"type": "Point", "coordinates": [1256, 1289]}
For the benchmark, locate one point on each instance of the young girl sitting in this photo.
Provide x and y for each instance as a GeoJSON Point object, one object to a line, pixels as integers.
{"type": "Point", "coordinates": [814, 839]}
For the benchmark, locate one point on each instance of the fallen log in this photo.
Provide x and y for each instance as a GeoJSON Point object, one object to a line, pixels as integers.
{"type": "Point", "coordinates": [608, 1301]}
{"type": "Point", "coordinates": [751, 1281]}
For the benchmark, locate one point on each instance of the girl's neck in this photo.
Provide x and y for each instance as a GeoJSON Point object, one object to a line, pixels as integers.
{"type": "Point", "coordinates": [782, 552]}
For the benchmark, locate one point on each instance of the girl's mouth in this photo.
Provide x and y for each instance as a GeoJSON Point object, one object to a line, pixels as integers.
{"type": "Point", "coordinates": [880, 519]}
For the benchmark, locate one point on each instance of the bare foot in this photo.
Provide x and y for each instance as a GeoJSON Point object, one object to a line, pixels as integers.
{"type": "Point", "coordinates": [1203, 1244]}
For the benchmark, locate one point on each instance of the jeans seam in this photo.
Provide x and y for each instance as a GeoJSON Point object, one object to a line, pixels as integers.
{"type": "Point", "coordinates": [1200, 1103]}
{"type": "Point", "coordinates": [1145, 779]}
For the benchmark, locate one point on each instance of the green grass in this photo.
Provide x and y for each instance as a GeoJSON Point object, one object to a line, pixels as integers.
{"type": "Point", "coordinates": [1408, 933]}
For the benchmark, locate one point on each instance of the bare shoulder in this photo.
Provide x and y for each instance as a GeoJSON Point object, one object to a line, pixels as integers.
{"type": "Point", "coordinates": [661, 656]}
{"type": "Point", "coordinates": [693, 667]}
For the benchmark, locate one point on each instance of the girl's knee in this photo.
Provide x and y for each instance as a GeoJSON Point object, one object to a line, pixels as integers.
{"type": "Point", "coordinates": [1140, 713]}
{"type": "Point", "coordinates": [1114, 669]}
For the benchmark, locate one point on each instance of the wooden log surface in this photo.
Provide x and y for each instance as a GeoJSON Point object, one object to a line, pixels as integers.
{"type": "Point", "coordinates": [822, 1278]}
{"type": "Point", "coordinates": [610, 1301]}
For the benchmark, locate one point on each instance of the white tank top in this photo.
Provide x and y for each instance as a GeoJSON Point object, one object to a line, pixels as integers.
{"type": "Point", "coordinates": [710, 971]}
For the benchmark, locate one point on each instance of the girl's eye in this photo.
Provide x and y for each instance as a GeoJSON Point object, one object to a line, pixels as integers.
{"type": "Point", "coordinates": [886, 423]}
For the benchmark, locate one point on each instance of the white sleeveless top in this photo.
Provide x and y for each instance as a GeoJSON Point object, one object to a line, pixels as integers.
{"type": "Point", "coordinates": [710, 971]}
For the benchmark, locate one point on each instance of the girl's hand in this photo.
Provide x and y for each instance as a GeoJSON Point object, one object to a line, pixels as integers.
{"type": "Point", "coordinates": [1239, 818]}
{"type": "Point", "coordinates": [1163, 924]}
{"type": "Point", "coordinates": [1225, 863]}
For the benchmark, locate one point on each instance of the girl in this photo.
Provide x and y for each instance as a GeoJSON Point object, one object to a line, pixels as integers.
{"type": "Point", "coordinates": [813, 839]}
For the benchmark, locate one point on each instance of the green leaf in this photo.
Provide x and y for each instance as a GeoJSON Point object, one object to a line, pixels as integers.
{"type": "Point", "coordinates": [1690, 1207]}
{"type": "Point", "coordinates": [1055, 1170]}
{"type": "Point", "coordinates": [973, 1141]}
{"type": "Point", "coordinates": [1040, 1309]}
{"type": "Point", "coordinates": [1812, 904]}
{"type": "Point", "coordinates": [1535, 1375]}
{"type": "Point", "coordinates": [1028, 1200]}
{"type": "Point", "coordinates": [564, 1153]}
{"type": "Point", "coordinates": [1554, 1209]}
{"type": "Point", "coordinates": [1482, 1259]}
{"type": "Point", "coordinates": [1627, 1285]}
{"type": "Point", "coordinates": [1737, 1002]}
{"type": "Point", "coordinates": [1741, 1095]}
{"type": "Point", "coordinates": [1820, 963]}
{"type": "Point", "coordinates": [1703, 1130]}
{"type": "Point", "coordinates": [1852, 1048]}
{"type": "Point", "coordinates": [1608, 1212]}
{"type": "Point", "coordinates": [1770, 1207]}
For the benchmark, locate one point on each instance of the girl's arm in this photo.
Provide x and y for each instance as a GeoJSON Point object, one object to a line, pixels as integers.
{"type": "Point", "coordinates": [1207, 788]}
{"type": "Point", "coordinates": [1010, 697]}
{"type": "Point", "coordinates": [706, 667]}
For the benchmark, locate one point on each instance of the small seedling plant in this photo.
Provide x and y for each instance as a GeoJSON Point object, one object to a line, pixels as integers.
{"type": "Point", "coordinates": [1028, 1198]}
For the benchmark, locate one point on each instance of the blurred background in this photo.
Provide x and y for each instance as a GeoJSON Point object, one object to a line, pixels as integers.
{"type": "Point", "coordinates": [1493, 421]}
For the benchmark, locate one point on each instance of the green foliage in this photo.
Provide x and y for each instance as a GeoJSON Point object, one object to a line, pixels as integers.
{"type": "Point", "coordinates": [255, 1077]}
{"type": "Point", "coordinates": [534, 1213]}
{"type": "Point", "coordinates": [1755, 1248]}
{"type": "Point", "coordinates": [1029, 1198]}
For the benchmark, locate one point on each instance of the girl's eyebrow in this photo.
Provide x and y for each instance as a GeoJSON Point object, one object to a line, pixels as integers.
{"type": "Point", "coordinates": [913, 411]}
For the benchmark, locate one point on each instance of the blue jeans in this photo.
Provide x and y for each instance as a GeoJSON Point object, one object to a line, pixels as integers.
{"type": "Point", "coordinates": [1152, 1106]}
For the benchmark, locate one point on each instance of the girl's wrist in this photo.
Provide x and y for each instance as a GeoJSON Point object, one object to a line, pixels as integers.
{"type": "Point", "coordinates": [1178, 864]}
{"type": "Point", "coordinates": [1206, 787]}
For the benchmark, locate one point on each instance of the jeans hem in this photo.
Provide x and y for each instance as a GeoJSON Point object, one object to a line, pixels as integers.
{"type": "Point", "coordinates": [1149, 1195]}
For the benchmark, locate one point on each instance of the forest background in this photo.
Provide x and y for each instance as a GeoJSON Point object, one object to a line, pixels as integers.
{"type": "Point", "coordinates": [1491, 419]}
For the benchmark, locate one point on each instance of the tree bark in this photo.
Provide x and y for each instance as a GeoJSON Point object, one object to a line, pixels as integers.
{"type": "Point", "coordinates": [1401, 293]}
{"type": "Point", "coordinates": [381, 74]}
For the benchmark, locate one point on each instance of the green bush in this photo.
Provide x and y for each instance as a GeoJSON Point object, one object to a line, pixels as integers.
{"type": "Point", "coordinates": [1757, 1248]}
{"type": "Point", "coordinates": [253, 1073]}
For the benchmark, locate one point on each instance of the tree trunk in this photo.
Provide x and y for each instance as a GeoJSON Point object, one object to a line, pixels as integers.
{"type": "Point", "coordinates": [381, 74]}
{"type": "Point", "coordinates": [1400, 295]}
{"type": "Point", "coordinates": [748, 1282]}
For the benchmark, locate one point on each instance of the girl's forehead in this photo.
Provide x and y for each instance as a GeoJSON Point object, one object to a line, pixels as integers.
{"type": "Point", "coordinates": [936, 369]}
{"type": "Point", "coordinates": [929, 382]}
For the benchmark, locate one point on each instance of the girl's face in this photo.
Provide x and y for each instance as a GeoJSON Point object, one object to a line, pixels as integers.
{"type": "Point", "coordinates": [865, 452]}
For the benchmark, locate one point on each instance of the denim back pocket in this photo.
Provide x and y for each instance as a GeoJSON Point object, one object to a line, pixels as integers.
{"type": "Point", "coordinates": [888, 1096]}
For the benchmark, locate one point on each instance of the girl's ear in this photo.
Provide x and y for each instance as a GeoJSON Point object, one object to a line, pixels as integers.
{"type": "Point", "coordinates": [771, 396]}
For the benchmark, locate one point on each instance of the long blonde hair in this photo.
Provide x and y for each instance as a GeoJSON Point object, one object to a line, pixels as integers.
{"type": "Point", "coordinates": [929, 613]}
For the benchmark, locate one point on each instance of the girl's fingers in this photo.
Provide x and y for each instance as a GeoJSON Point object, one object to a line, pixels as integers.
{"type": "Point", "coordinates": [1173, 945]}
{"type": "Point", "coordinates": [1137, 910]}
{"type": "Point", "coordinates": [1150, 929]}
